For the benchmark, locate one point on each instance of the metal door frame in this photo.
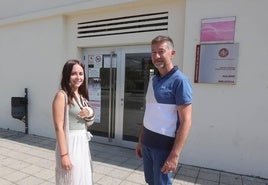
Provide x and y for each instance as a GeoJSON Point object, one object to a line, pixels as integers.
{"type": "Point", "coordinates": [117, 114]}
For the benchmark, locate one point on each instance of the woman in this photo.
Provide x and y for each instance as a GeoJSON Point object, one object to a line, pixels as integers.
{"type": "Point", "coordinates": [73, 159]}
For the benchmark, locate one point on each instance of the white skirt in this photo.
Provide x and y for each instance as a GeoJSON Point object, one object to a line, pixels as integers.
{"type": "Point", "coordinates": [79, 153]}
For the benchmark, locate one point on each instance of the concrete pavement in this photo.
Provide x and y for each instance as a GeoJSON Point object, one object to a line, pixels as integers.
{"type": "Point", "coordinates": [29, 160]}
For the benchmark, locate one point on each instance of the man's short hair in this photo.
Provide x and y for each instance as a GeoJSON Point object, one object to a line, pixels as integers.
{"type": "Point", "coordinates": [163, 39]}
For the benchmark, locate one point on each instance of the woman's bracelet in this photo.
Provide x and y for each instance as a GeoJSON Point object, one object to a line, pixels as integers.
{"type": "Point", "coordinates": [62, 155]}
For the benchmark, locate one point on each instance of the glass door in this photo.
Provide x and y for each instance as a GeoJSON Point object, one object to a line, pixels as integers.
{"type": "Point", "coordinates": [101, 68]}
{"type": "Point", "coordinates": [138, 68]}
{"type": "Point", "coordinates": [117, 82]}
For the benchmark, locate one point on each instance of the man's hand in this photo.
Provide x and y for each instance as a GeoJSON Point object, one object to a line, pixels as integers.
{"type": "Point", "coordinates": [170, 164]}
{"type": "Point", "coordinates": [139, 150]}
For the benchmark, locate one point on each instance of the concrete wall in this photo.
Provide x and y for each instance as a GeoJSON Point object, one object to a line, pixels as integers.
{"type": "Point", "coordinates": [175, 9]}
{"type": "Point", "coordinates": [230, 121]}
{"type": "Point", "coordinates": [33, 47]}
{"type": "Point", "coordinates": [32, 54]}
{"type": "Point", "coordinates": [13, 8]}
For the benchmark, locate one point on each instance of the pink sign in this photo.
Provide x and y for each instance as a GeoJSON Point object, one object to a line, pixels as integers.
{"type": "Point", "coordinates": [217, 30]}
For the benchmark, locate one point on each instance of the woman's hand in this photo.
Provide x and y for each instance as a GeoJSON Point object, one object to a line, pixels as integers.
{"type": "Point", "coordinates": [65, 162]}
{"type": "Point", "coordinates": [84, 113]}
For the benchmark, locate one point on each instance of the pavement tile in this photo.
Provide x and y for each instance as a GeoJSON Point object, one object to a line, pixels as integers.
{"type": "Point", "coordinates": [20, 165]}
{"type": "Point", "coordinates": [102, 169]}
{"type": "Point", "coordinates": [230, 179]}
{"type": "Point", "coordinates": [119, 158]}
{"type": "Point", "coordinates": [133, 164]}
{"type": "Point", "coordinates": [188, 171]}
{"type": "Point", "coordinates": [30, 180]}
{"type": "Point", "coordinates": [45, 174]}
{"type": "Point", "coordinates": [44, 163]}
{"type": "Point", "coordinates": [5, 171]}
{"type": "Point", "coordinates": [16, 176]}
{"type": "Point", "coordinates": [106, 180]}
{"type": "Point", "coordinates": [32, 169]}
{"type": "Point", "coordinates": [97, 177]}
{"type": "Point", "coordinates": [21, 156]}
{"type": "Point", "coordinates": [183, 180]}
{"type": "Point", "coordinates": [9, 161]}
{"type": "Point", "coordinates": [113, 162]}
{"type": "Point", "coordinates": [47, 183]}
{"type": "Point", "coordinates": [4, 151]}
{"type": "Point", "coordinates": [136, 178]}
{"type": "Point", "coordinates": [205, 182]}
{"type": "Point", "coordinates": [30, 159]}
{"type": "Point", "coordinates": [52, 179]}
{"type": "Point", "coordinates": [210, 175]}
{"type": "Point", "coordinates": [131, 183]}
{"type": "Point", "coordinates": [247, 182]}
{"type": "Point", "coordinates": [253, 181]}
{"type": "Point", "coordinates": [120, 173]}
{"type": "Point", "coordinates": [5, 182]}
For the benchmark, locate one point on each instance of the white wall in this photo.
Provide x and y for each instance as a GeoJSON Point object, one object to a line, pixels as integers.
{"type": "Point", "coordinates": [13, 8]}
{"type": "Point", "coordinates": [32, 54]}
{"type": "Point", "coordinates": [175, 8]}
{"type": "Point", "coordinates": [13, 11]}
{"type": "Point", "coordinates": [35, 43]}
{"type": "Point", "coordinates": [230, 121]}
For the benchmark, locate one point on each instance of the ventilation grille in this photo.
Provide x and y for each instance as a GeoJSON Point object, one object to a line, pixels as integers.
{"type": "Point", "coordinates": [124, 25]}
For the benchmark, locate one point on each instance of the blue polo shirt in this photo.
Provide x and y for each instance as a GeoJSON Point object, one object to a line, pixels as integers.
{"type": "Point", "coordinates": [161, 119]}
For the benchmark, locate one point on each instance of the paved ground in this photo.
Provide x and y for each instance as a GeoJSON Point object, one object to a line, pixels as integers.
{"type": "Point", "coordinates": [29, 160]}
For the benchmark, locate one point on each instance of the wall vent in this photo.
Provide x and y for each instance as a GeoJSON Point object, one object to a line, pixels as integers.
{"type": "Point", "coordinates": [124, 25]}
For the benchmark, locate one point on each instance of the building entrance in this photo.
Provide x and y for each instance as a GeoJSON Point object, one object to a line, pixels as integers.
{"type": "Point", "coordinates": [117, 81]}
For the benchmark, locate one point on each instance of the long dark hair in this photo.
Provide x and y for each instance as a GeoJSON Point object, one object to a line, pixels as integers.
{"type": "Point", "coordinates": [65, 80]}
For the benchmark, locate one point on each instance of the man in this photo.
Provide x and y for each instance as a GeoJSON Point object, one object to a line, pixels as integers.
{"type": "Point", "coordinates": [168, 115]}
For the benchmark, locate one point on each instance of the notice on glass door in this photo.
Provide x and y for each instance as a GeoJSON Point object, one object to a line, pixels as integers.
{"type": "Point", "coordinates": [94, 90]}
{"type": "Point", "coordinates": [96, 106]}
{"type": "Point", "coordinates": [98, 61]}
{"type": "Point", "coordinates": [94, 72]}
{"type": "Point", "coordinates": [109, 61]}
